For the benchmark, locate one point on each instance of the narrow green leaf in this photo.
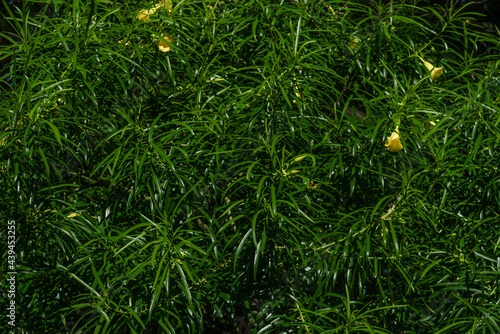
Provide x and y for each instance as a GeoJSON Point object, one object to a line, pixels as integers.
{"type": "Point", "coordinates": [55, 130]}
{"type": "Point", "coordinates": [240, 248]}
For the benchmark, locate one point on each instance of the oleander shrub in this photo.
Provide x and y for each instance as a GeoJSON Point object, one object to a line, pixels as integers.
{"type": "Point", "coordinates": [251, 166]}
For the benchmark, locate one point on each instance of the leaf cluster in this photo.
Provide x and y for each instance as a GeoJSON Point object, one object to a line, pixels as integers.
{"type": "Point", "coordinates": [239, 181]}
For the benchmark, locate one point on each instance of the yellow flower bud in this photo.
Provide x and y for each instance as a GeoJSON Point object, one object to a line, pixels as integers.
{"type": "Point", "coordinates": [299, 158]}
{"type": "Point", "coordinates": [353, 43]}
{"type": "Point", "coordinates": [163, 46]}
{"type": "Point", "coordinates": [435, 71]}
{"type": "Point", "coordinates": [429, 125]}
{"type": "Point", "coordinates": [393, 143]}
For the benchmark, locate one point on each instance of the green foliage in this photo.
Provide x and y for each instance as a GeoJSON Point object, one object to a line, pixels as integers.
{"type": "Point", "coordinates": [240, 180]}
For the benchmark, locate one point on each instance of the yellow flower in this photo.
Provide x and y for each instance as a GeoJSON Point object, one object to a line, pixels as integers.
{"type": "Point", "coordinates": [393, 143]}
{"type": "Point", "coordinates": [313, 185]}
{"type": "Point", "coordinates": [73, 215]}
{"type": "Point", "coordinates": [435, 71]}
{"type": "Point", "coordinates": [163, 46]}
{"type": "Point", "coordinates": [144, 14]}
{"type": "Point", "coordinates": [169, 4]}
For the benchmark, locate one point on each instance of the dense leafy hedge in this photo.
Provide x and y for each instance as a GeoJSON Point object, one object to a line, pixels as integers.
{"type": "Point", "coordinates": [237, 166]}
